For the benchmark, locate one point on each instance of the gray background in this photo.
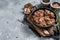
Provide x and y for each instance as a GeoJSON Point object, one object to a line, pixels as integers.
{"type": "Point", "coordinates": [10, 27]}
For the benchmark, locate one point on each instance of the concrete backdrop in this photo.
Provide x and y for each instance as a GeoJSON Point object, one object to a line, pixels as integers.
{"type": "Point", "coordinates": [10, 27]}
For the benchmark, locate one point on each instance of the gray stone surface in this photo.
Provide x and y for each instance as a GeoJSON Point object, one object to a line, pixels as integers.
{"type": "Point", "coordinates": [10, 27]}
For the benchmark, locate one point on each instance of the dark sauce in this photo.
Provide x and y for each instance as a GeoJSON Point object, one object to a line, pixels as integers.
{"type": "Point", "coordinates": [46, 1]}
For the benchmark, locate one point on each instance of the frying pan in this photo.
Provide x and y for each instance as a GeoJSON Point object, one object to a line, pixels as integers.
{"type": "Point", "coordinates": [32, 13]}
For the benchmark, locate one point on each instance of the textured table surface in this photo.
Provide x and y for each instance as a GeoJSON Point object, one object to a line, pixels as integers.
{"type": "Point", "coordinates": [11, 17]}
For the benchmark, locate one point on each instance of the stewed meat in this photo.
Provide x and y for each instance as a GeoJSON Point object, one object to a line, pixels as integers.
{"type": "Point", "coordinates": [44, 17]}
{"type": "Point", "coordinates": [28, 8]}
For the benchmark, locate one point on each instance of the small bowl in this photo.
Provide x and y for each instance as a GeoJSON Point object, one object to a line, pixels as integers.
{"type": "Point", "coordinates": [45, 2]}
{"type": "Point", "coordinates": [53, 6]}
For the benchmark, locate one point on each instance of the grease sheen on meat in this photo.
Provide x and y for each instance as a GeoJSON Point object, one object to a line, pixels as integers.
{"type": "Point", "coordinates": [44, 17]}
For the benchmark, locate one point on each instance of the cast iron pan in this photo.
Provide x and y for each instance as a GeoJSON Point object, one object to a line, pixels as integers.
{"type": "Point", "coordinates": [32, 13]}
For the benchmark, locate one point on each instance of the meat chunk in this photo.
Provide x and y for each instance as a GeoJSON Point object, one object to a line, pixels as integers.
{"type": "Point", "coordinates": [36, 13]}
{"type": "Point", "coordinates": [42, 11]}
{"type": "Point", "coordinates": [39, 13]}
{"type": "Point", "coordinates": [42, 21]}
{"type": "Point", "coordinates": [46, 32]}
{"type": "Point", "coordinates": [36, 19]}
{"type": "Point", "coordinates": [49, 22]}
{"type": "Point", "coordinates": [27, 10]}
{"type": "Point", "coordinates": [52, 20]}
{"type": "Point", "coordinates": [52, 15]}
{"type": "Point", "coordinates": [47, 18]}
{"type": "Point", "coordinates": [47, 12]}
